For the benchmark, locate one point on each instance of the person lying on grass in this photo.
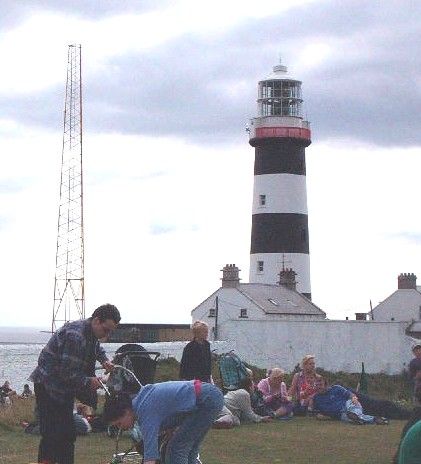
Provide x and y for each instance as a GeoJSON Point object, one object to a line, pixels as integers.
{"type": "Point", "coordinates": [339, 403]}
{"type": "Point", "coordinates": [238, 407]}
{"type": "Point", "coordinates": [192, 405]}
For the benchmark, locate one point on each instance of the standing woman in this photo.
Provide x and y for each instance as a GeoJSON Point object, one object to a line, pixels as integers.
{"type": "Point", "coordinates": [304, 385]}
{"type": "Point", "coordinates": [196, 359]}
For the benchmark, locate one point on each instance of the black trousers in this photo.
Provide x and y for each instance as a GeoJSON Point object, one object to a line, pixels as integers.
{"type": "Point", "coordinates": [57, 429]}
{"type": "Point", "coordinates": [383, 408]}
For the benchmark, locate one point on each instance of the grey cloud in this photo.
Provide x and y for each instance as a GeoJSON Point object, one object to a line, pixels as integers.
{"type": "Point", "coordinates": [13, 11]}
{"type": "Point", "coordinates": [205, 89]}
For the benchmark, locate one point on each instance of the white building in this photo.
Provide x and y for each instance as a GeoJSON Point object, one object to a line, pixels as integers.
{"type": "Point", "coordinates": [274, 325]}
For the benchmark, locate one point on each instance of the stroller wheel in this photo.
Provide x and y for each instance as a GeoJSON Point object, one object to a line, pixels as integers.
{"type": "Point", "coordinates": [132, 457]}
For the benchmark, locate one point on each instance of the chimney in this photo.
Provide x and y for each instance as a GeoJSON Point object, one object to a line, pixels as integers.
{"type": "Point", "coordinates": [230, 276]}
{"type": "Point", "coordinates": [287, 279]}
{"type": "Point", "coordinates": [407, 281]}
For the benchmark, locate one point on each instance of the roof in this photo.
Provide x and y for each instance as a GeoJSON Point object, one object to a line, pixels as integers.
{"type": "Point", "coordinates": [280, 72]}
{"type": "Point", "coordinates": [400, 298]}
{"type": "Point", "coordinates": [278, 299]}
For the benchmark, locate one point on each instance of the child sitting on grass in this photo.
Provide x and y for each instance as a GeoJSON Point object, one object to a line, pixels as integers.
{"type": "Point", "coordinates": [191, 405]}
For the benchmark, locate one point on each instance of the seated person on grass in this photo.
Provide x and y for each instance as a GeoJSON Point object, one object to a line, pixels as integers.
{"type": "Point", "coordinates": [275, 394]}
{"type": "Point", "coordinates": [191, 405]}
{"type": "Point", "coordinates": [339, 403]}
{"type": "Point", "coordinates": [238, 402]}
{"type": "Point", "coordinates": [304, 385]}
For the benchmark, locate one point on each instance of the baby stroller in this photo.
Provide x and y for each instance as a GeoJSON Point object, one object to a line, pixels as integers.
{"type": "Point", "coordinates": [134, 367]}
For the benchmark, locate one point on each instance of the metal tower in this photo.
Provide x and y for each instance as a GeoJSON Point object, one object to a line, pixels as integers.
{"type": "Point", "coordinates": [69, 293]}
{"type": "Point", "coordinates": [280, 135]}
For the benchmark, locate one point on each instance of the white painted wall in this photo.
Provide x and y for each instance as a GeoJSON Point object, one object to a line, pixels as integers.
{"type": "Point", "coordinates": [402, 305]}
{"type": "Point", "coordinates": [337, 345]}
{"type": "Point", "coordinates": [300, 262]}
{"type": "Point", "coordinates": [285, 193]}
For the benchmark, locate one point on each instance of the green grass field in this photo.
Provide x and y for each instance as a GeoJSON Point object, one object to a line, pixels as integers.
{"type": "Point", "coordinates": [298, 441]}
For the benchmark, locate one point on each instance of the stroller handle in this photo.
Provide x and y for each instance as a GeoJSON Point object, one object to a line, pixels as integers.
{"type": "Point", "coordinates": [117, 366]}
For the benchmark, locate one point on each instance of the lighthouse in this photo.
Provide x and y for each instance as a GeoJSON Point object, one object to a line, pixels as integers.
{"type": "Point", "coordinates": [279, 134]}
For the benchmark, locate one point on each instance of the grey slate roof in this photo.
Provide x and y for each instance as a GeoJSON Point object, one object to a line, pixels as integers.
{"type": "Point", "coordinates": [277, 299]}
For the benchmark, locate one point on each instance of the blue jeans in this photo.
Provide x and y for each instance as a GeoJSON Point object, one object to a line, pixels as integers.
{"type": "Point", "coordinates": [183, 447]}
{"type": "Point", "coordinates": [358, 410]}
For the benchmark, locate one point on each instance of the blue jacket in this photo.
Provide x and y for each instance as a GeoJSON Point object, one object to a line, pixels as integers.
{"type": "Point", "coordinates": [332, 402]}
{"type": "Point", "coordinates": [156, 407]}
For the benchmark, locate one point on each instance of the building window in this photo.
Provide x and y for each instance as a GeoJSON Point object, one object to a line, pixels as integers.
{"type": "Point", "coordinates": [212, 312]}
{"type": "Point", "coordinates": [259, 266]}
{"type": "Point", "coordinates": [392, 318]}
{"type": "Point", "coordinates": [262, 200]}
{"type": "Point", "coordinates": [243, 312]}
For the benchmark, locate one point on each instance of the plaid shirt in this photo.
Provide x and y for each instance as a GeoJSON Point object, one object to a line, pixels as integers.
{"type": "Point", "coordinates": [68, 360]}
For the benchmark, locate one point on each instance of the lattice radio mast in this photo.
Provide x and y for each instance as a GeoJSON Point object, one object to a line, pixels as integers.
{"type": "Point", "coordinates": [69, 292]}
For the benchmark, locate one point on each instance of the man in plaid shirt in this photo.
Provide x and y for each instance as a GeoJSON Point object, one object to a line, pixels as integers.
{"type": "Point", "coordinates": [66, 369]}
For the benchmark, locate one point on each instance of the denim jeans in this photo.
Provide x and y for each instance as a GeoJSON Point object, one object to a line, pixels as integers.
{"type": "Point", "coordinates": [358, 410]}
{"type": "Point", "coordinates": [183, 447]}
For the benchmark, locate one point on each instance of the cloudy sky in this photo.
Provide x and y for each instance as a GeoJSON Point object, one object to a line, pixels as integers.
{"type": "Point", "coordinates": [168, 89]}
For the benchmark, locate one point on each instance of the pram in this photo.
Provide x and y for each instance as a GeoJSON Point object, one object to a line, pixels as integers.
{"type": "Point", "coordinates": [134, 367]}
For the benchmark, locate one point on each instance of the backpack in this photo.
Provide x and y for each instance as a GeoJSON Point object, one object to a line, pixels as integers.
{"type": "Point", "coordinates": [232, 370]}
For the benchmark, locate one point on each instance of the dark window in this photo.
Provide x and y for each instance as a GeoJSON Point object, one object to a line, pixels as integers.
{"type": "Point", "coordinates": [212, 312]}
{"type": "Point", "coordinates": [243, 312]}
{"type": "Point", "coordinates": [262, 200]}
{"type": "Point", "coordinates": [259, 266]}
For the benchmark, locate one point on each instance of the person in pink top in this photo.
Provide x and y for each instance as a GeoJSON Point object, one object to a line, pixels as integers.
{"type": "Point", "coordinates": [275, 394]}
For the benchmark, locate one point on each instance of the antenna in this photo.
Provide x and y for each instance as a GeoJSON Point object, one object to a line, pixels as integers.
{"type": "Point", "coordinates": [69, 291]}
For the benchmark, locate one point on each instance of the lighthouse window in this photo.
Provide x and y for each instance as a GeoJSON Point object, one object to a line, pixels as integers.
{"type": "Point", "coordinates": [262, 200]}
{"type": "Point", "coordinates": [259, 266]}
{"type": "Point", "coordinates": [243, 312]}
{"type": "Point", "coordinates": [303, 235]}
{"type": "Point", "coordinates": [212, 312]}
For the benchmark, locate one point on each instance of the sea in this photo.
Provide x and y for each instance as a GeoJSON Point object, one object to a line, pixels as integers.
{"type": "Point", "coordinates": [20, 348]}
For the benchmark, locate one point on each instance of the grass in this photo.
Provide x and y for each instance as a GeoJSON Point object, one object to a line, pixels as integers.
{"type": "Point", "coordinates": [299, 441]}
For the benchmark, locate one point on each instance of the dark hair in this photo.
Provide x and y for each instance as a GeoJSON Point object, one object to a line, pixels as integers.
{"type": "Point", "coordinates": [245, 383]}
{"type": "Point", "coordinates": [107, 311]}
{"type": "Point", "coordinates": [115, 406]}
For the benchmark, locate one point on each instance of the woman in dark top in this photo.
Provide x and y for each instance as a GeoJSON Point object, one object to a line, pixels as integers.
{"type": "Point", "coordinates": [196, 359]}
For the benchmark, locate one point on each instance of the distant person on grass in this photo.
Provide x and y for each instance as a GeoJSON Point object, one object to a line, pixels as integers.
{"type": "Point", "coordinates": [65, 371]}
{"type": "Point", "coordinates": [339, 403]}
{"type": "Point", "coordinates": [196, 359]}
{"type": "Point", "coordinates": [7, 394]}
{"type": "Point", "coordinates": [415, 367]}
{"type": "Point", "coordinates": [192, 406]}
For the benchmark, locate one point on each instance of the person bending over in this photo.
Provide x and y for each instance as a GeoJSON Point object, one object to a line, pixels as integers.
{"type": "Point", "coordinates": [191, 405]}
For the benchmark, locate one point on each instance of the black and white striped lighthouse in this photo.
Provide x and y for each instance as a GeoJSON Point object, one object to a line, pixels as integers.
{"type": "Point", "coordinates": [280, 135]}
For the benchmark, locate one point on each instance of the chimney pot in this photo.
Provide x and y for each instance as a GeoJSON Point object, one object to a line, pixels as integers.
{"type": "Point", "coordinates": [287, 278]}
{"type": "Point", "coordinates": [230, 276]}
{"type": "Point", "coordinates": [407, 281]}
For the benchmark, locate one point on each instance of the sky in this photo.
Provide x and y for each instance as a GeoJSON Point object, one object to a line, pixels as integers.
{"type": "Point", "coordinates": [169, 87]}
